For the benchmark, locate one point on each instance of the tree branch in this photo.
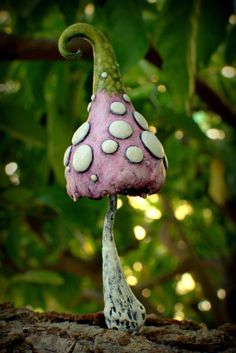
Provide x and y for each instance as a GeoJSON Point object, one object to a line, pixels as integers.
{"type": "Point", "coordinates": [76, 266]}
{"type": "Point", "coordinates": [23, 330]}
{"type": "Point", "coordinates": [187, 265]}
{"type": "Point", "coordinates": [17, 48]}
{"type": "Point", "coordinates": [215, 102]}
{"type": "Point", "coordinates": [13, 47]}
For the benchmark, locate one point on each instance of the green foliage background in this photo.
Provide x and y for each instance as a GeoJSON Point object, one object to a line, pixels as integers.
{"type": "Point", "coordinates": [50, 247]}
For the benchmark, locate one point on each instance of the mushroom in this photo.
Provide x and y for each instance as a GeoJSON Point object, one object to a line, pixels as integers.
{"type": "Point", "coordinates": [112, 153]}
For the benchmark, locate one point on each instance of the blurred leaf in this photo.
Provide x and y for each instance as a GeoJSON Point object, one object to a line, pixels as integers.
{"type": "Point", "coordinates": [24, 7]}
{"type": "Point", "coordinates": [39, 277]}
{"type": "Point", "coordinates": [25, 247]}
{"type": "Point", "coordinates": [33, 89]}
{"type": "Point", "coordinates": [213, 19]}
{"type": "Point", "coordinates": [230, 50]}
{"type": "Point", "coordinates": [217, 186]}
{"type": "Point", "coordinates": [126, 31]}
{"type": "Point", "coordinates": [57, 199]}
{"type": "Point", "coordinates": [176, 43]}
{"type": "Point", "coordinates": [185, 123]}
{"type": "Point", "coordinates": [20, 123]}
{"type": "Point", "coordinates": [34, 169]}
{"type": "Point", "coordinates": [59, 123]}
{"type": "Point", "coordinates": [34, 17]}
{"type": "Point", "coordinates": [13, 244]}
{"type": "Point", "coordinates": [68, 10]}
{"type": "Point", "coordinates": [178, 120]}
{"type": "Point", "coordinates": [19, 196]}
{"type": "Point", "coordinates": [84, 212]}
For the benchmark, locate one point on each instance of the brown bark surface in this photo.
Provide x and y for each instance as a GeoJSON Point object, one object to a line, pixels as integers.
{"type": "Point", "coordinates": [23, 330]}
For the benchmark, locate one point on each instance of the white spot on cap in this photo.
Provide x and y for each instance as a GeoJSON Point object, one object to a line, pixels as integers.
{"type": "Point", "coordinates": [152, 143]}
{"type": "Point", "coordinates": [134, 154]}
{"type": "Point", "coordinates": [89, 107]}
{"type": "Point", "coordinates": [94, 178]}
{"type": "Point", "coordinates": [82, 158]}
{"type": "Point", "coordinates": [118, 108]}
{"type": "Point", "coordinates": [67, 169]}
{"type": "Point", "coordinates": [104, 74]}
{"type": "Point", "coordinates": [109, 146]}
{"type": "Point", "coordinates": [80, 133]}
{"type": "Point", "coordinates": [126, 98]}
{"type": "Point", "coordinates": [67, 156]}
{"type": "Point", "coordinates": [120, 129]}
{"type": "Point", "coordinates": [93, 97]}
{"type": "Point", "coordinates": [141, 121]}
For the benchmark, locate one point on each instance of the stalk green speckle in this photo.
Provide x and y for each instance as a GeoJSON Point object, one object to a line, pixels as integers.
{"type": "Point", "coordinates": [106, 69]}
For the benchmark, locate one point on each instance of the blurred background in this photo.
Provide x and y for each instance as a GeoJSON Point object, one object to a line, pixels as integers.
{"type": "Point", "coordinates": [178, 249]}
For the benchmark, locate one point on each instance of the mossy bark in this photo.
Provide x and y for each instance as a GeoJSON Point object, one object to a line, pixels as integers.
{"type": "Point", "coordinates": [22, 330]}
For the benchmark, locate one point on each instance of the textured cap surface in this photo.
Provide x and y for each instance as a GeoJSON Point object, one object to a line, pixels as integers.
{"type": "Point", "coordinates": [113, 152]}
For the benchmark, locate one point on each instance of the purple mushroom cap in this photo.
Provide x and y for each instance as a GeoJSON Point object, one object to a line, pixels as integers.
{"type": "Point", "coordinates": [114, 152]}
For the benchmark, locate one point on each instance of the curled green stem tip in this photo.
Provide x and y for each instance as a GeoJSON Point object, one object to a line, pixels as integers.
{"type": "Point", "coordinates": [106, 69]}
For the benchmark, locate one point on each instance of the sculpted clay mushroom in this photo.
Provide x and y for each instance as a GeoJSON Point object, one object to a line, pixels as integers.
{"type": "Point", "coordinates": [112, 152]}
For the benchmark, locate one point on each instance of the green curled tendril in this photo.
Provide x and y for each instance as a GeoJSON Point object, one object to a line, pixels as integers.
{"type": "Point", "coordinates": [106, 74]}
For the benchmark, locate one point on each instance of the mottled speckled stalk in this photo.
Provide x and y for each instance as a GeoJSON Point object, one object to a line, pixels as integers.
{"type": "Point", "coordinates": [122, 309]}
{"type": "Point", "coordinates": [104, 57]}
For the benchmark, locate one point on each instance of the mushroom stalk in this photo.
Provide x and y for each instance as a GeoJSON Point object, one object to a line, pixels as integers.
{"type": "Point", "coordinates": [122, 309]}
